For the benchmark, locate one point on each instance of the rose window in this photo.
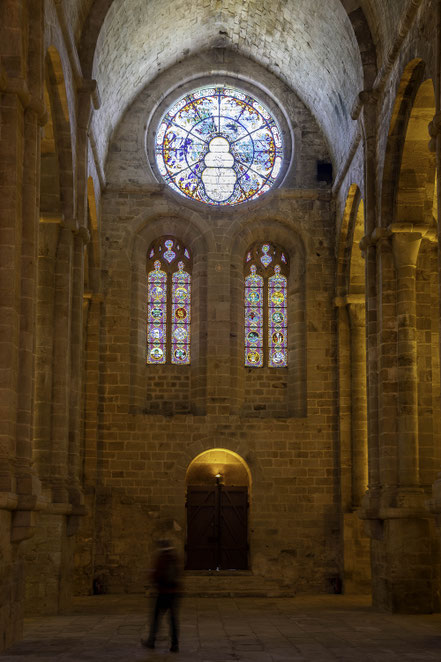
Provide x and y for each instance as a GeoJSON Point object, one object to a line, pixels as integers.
{"type": "Point", "coordinates": [220, 146]}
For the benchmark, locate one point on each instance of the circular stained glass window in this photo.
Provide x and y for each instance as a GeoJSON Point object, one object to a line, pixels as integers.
{"type": "Point", "coordinates": [220, 146]}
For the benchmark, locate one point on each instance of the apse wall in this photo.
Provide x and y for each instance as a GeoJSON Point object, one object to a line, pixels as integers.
{"type": "Point", "coordinates": [154, 420]}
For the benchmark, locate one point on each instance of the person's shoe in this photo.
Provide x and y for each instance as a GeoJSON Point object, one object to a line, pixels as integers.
{"type": "Point", "coordinates": [174, 648]}
{"type": "Point", "coordinates": [147, 643]}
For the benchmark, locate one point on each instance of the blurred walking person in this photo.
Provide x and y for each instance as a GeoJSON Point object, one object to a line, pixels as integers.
{"type": "Point", "coordinates": [166, 577]}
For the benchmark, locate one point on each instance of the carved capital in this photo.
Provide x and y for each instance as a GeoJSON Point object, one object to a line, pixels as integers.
{"type": "Point", "coordinates": [435, 125]}
{"type": "Point", "coordinates": [19, 87]}
{"type": "Point", "coordinates": [405, 248]}
{"type": "Point", "coordinates": [357, 314]}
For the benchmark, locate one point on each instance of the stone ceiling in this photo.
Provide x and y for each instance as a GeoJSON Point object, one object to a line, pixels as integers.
{"type": "Point", "coordinates": [309, 44]}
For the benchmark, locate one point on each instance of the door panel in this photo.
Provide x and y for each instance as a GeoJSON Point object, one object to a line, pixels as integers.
{"type": "Point", "coordinates": [217, 525]}
{"type": "Point", "coordinates": [201, 529]}
{"type": "Point", "coordinates": [233, 528]}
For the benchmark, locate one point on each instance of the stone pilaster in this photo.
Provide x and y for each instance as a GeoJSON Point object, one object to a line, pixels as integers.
{"type": "Point", "coordinates": [353, 440]}
{"type": "Point", "coordinates": [405, 247]}
{"type": "Point", "coordinates": [74, 459]}
{"type": "Point", "coordinates": [218, 336]}
{"type": "Point", "coordinates": [61, 366]}
{"type": "Point", "coordinates": [357, 319]}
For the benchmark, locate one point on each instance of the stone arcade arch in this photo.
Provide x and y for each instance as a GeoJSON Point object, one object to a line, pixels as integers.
{"type": "Point", "coordinates": [218, 483]}
{"type": "Point", "coordinates": [353, 436]}
{"type": "Point", "coordinates": [408, 441]}
{"type": "Point", "coordinates": [58, 315]}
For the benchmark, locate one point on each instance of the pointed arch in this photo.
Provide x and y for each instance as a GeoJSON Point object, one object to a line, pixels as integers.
{"type": "Point", "coordinates": [409, 168]}
{"type": "Point", "coordinates": [61, 129]}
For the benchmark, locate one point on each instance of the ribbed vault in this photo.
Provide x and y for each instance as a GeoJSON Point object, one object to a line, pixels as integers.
{"type": "Point", "coordinates": [314, 46]}
{"type": "Point", "coordinates": [310, 44]}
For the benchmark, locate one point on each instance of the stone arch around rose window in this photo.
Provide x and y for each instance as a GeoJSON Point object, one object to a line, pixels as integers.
{"type": "Point", "coordinates": [131, 158]}
{"type": "Point", "coordinates": [176, 388]}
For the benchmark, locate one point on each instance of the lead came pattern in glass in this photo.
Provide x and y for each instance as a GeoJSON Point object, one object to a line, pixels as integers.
{"type": "Point", "coordinates": [219, 146]}
{"type": "Point", "coordinates": [254, 319]}
{"type": "Point", "coordinates": [277, 320]}
{"type": "Point", "coordinates": [168, 303]}
{"type": "Point", "coordinates": [181, 307]}
{"type": "Point", "coordinates": [157, 315]}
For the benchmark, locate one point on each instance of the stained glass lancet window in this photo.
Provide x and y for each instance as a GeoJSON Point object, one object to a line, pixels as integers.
{"type": "Point", "coordinates": [277, 320]}
{"type": "Point", "coordinates": [181, 297]}
{"type": "Point", "coordinates": [266, 310]}
{"type": "Point", "coordinates": [157, 314]}
{"type": "Point", "coordinates": [220, 146]}
{"type": "Point", "coordinates": [168, 302]}
{"type": "Point", "coordinates": [254, 319]}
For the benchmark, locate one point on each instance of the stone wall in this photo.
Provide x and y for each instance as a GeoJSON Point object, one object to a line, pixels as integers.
{"type": "Point", "coordinates": [142, 458]}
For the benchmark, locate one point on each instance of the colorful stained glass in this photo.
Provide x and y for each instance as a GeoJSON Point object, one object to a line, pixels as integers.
{"type": "Point", "coordinates": [169, 254]}
{"type": "Point", "coordinates": [254, 319]}
{"type": "Point", "coordinates": [181, 313]}
{"type": "Point", "coordinates": [277, 320]}
{"type": "Point", "coordinates": [157, 315]}
{"type": "Point", "coordinates": [219, 146]}
{"type": "Point", "coordinates": [266, 259]}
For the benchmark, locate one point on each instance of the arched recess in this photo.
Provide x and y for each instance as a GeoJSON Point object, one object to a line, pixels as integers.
{"type": "Point", "coordinates": [62, 128]}
{"type": "Point", "coordinates": [408, 354]}
{"type": "Point", "coordinates": [409, 210]}
{"type": "Point", "coordinates": [91, 336]}
{"type": "Point", "coordinates": [291, 380]}
{"type": "Point", "coordinates": [56, 205]}
{"type": "Point", "coordinates": [353, 434]}
{"type": "Point", "coordinates": [409, 167]}
{"type": "Point", "coordinates": [218, 483]}
{"type": "Point", "coordinates": [55, 451]}
{"type": "Point", "coordinates": [185, 386]}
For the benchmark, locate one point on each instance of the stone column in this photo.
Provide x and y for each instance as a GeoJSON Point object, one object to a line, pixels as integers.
{"type": "Point", "coordinates": [405, 247]}
{"type": "Point", "coordinates": [370, 502]}
{"type": "Point", "coordinates": [91, 392]}
{"type": "Point", "coordinates": [61, 366]}
{"type": "Point", "coordinates": [353, 441]}
{"type": "Point", "coordinates": [357, 320]}
{"type": "Point", "coordinates": [77, 365]}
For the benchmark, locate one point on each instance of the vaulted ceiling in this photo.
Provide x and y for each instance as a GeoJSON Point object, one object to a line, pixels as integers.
{"type": "Point", "coordinates": [317, 47]}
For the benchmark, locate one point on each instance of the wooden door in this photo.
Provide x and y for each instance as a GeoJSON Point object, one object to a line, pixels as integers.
{"type": "Point", "coordinates": [217, 524]}
{"type": "Point", "coordinates": [233, 522]}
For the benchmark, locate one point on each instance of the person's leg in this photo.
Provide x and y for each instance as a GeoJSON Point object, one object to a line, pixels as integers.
{"type": "Point", "coordinates": [150, 643]}
{"type": "Point", "coordinates": [174, 625]}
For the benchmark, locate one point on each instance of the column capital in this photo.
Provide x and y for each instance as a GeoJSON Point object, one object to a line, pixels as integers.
{"type": "Point", "coordinates": [357, 313]}
{"type": "Point", "coordinates": [348, 299]}
{"type": "Point", "coordinates": [405, 248]}
{"type": "Point", "coordinates": [435, 125]}
{"type": "Point", "coordinates": [19, 87]}
{"type": "Point", "coordinates": [414, 230]}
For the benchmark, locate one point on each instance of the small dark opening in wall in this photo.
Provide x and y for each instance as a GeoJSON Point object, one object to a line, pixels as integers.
{"type": "Point", "coordinates": [324, 172]}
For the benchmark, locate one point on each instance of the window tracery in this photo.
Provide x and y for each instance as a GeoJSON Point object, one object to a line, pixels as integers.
{"type": "Point", "coordinates": [266, 312]}
{"type": "Point", "coordinates": [220, 146]}
{"type": "Point", "coordinates": [168, 302]}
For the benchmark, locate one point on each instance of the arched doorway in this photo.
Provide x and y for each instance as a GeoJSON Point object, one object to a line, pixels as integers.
{"type": "Point", "coordinates": [218, 483]}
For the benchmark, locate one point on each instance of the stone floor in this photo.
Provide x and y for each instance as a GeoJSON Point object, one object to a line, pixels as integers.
{"type": "Point", "coordinates": [305, 628]}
